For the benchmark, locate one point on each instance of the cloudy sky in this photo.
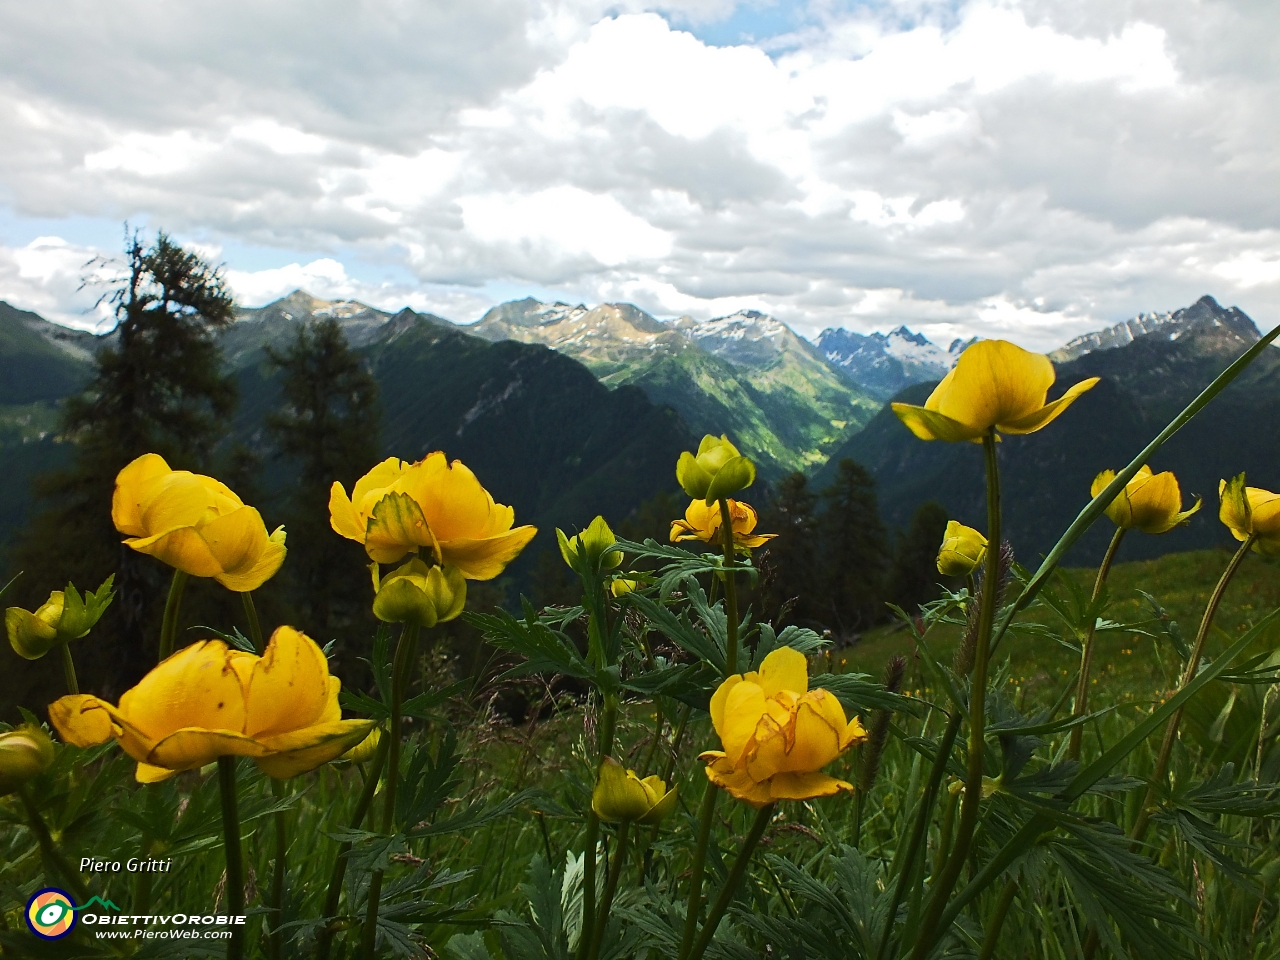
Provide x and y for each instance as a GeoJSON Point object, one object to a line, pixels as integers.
{"type": "Point", "coordinates": [1026, 169]}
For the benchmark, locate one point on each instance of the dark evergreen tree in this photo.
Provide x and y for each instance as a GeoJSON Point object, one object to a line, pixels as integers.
{"type": "Point", "coordinates": [790, 586]}
{"type": "Point", "coordinates": [914, 576]}
{"type": "Point", "coordinates": [326, 430]}
{"type": "Point", "coordinates": [855, 552]}
{"type": "Point", "coordinates": [159, 388]}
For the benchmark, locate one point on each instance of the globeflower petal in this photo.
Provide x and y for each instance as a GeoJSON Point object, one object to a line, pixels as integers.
{"type": "Point", "coordinates": [485, 559]}
{"type": "Point", "coordinates": [299, 751]}
{"type": "Point", "coordinates": [738, 783]}
{"type": "Point", "coordinates": [126, 499]}
{"type": "Point", "coordinates": [289, 685]}
{"type": "Point", "coordinates": [785, 669]}
{"type": "Point", "coordinates": [183, 549]}
{"type": "Point", "coordinates": [806, 786]}
{"type": "Point", "coordinates": [266, 566]}
{"type": "Point", "coordinates": [1041, 418]}
{"type": "Point", "coordinates": [195, 687]}
{"type": "Point", "coordinates": [343, 516]}
{"type": "Point", "coordinates": [396, 527]}
{"type": "Point", "coordinates": [743, 710]}
{"type": "Point", "coordinates": [82, 719]}
{"type": "Point", "coordinates": [931, 425]}
{"type": "Point", "coordinates": [193, 747]}
{"type": "Point", "coordinates": [993, 382]}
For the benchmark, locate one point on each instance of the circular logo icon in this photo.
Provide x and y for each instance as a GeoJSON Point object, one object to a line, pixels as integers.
{"type": "Point", "coordinates": [51, 914]}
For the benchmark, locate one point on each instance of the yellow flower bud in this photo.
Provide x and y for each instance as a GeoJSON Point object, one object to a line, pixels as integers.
{"type": "Point", "coordinates": [594, 540]}
{"type": "Point", "coordinates": [1149, 502]}
{"type": "Point", "coordinates": [962, 550]}
{"type": "Point", "coordinates": [622, 586]}
{"type": "Point", "coordinates": [620, 795]}
{"type": "Point", "coordinates": [716, 471]}
{"type": "Point", "coordinates": [778, 734]}
{"type": "Point", "coordinates": [24, 753]}
{"type": "Point", "coordinates": [1251, 512]}
{"type": "Point", "coordinates": [365, 749]}
{"type": "Point", "coordinates": [65, 616]}
{"type": "Point", "coordinates": [416, 593]}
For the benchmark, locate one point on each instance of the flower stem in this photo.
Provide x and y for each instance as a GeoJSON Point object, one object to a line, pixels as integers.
{"type": "Point", "coordinates": [1188, 674]}
{"type": "Point", "coordinates": [997, 919]}
{"type": "Point", "coordinates": [610, 887]}
{"type": "Point", "coordinates": [971, 805]}
{"type": "Point", "coordinates": [231, 843]}
{"type": "Point", "coordinates": [69, 669]}
{"type": "Point", "coordinates": [730, 591]}
{"type": "Point", "coordinates": [920, 829]}
{"type": "Point", "coordinates": [255, 628]}
{"type": "Point", "coordinates": [705, 816]}
{"type": "Point", "coordinates": [275, 942]}
{"type": "Point", "coordinates": [604, 746]}
{"type": "Point", "coordinates": [169, 625]}
{"type": "Point", "coordinates": [324, 941]}
{"type": "Point", "coordinates": [406, 655]}
{"type": "Point", "coordinates": [1086, 655]}
{"type": "Point", "coordinates": [733, 881]}
{"type": "Point", "coordinates": [50, 849]}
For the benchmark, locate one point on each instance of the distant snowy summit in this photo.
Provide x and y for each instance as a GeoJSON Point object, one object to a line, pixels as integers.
{"type": "Point", "coordinates": [886, 363]}
{"type": "Point", "coordinates": [1204, 312]}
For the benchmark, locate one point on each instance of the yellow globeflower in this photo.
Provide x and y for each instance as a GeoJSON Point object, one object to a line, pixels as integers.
{"type": "Point", "coordinates": [398, 507]}
{"type": "Point", "coordinates": [962, 550]}
{"type": "Point", "coordinates": [702, 522]}
{"type": "Point", "coordinates": [994, 384]}
{"type": "Point", "coordinates": [620, 795]}
{"type": "Point", "coordinates": [25, 752]}
{"type": "Point", "coordinates": [418, 594]}
{"type": "Point", "coordinates": [778, 734]}
{"type": "Point", "coordinates": [1149, 502]}
{"type": "Point", "coordinates": [64, 617]}
{"type": "Point", "coordinates": [716, 470]}
{"type": "Point", "coordinates": [1251, 512]}
{"type": "Point", "coordinates": [207, 701]}
{"type": "Point", "coordinates": [194, 523]}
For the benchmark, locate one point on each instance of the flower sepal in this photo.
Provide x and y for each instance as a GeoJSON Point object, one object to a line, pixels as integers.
{"type": "Point", "coordinates": [421, 595]}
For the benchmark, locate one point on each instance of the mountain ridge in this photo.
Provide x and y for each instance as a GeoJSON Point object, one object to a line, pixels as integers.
{"type": "Point", "coordinates": [1046, 476]}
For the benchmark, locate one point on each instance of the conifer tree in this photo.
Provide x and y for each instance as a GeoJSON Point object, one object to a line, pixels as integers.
{"type": "Point", "coordinates": [855, 551]}
{"type": "Point", "coordinates": [160, 388]}
{"type": "Point", "coordinates": [327, 430]}
{"type": "Point", "coordinates": [790, 584]}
